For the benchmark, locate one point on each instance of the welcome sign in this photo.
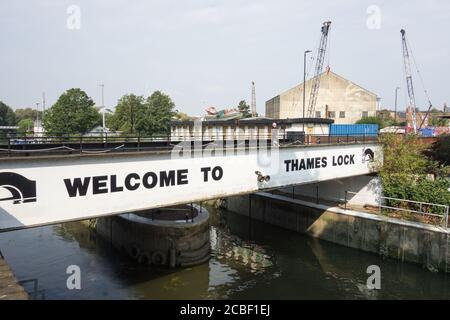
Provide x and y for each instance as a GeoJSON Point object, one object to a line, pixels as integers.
{"type": "Point", "coordinates": [36, 191]}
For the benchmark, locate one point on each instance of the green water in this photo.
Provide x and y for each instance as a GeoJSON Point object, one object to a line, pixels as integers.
{"type": "Point", "coordinates": [287, 266]}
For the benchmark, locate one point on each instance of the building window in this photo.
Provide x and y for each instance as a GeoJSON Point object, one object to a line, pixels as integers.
{"type": "Point", "coordinates": [341, 114]}
{"type": "Point", "coordinates": [318, 115]}
{"type": "Point", "coordinates": [365, 114]}
{"type": "Point", "coordinates": [331, 114]}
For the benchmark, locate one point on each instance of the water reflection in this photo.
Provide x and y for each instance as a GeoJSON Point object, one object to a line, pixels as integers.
{"type": "Point", "coordinates": [250, 260]}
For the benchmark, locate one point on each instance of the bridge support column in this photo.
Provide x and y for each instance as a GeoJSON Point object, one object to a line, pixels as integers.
{"type": "Point", "coordinates": [171, 237]}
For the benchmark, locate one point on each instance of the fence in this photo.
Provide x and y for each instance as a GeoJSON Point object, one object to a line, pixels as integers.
{"type": "Point", "coordinates": [427, 211]}
{"type": "Point", "coordinates": [103, 142]}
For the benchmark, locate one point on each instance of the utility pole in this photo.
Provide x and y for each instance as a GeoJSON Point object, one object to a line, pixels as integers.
{"type": "Point", "coordinates": [253, 100]}
{"type": "Point", "coordinates": [103, 107]}
{"type": "Point", "coordinates": [37, 116]}
{"type": "Point", "coordinates": [43, 105]}
{"type": "Point", "coordinates": [304, 84]}
{"type": "Point", "coordinates": [395, 108]}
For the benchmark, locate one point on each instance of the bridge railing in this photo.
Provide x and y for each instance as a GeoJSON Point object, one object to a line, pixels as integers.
{"type": "Point", "coordinates": [430, 213]}
{"type": "Point", "coordinates": [20, 144]}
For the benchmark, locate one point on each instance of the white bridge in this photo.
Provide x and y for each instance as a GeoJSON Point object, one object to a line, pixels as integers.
{"type": "Point", "coordinates": [36, 191]}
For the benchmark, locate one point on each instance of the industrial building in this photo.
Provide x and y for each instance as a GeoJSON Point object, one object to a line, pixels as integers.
{"type": "Point", "coordinates": [338, 99]}
{"type": "Point", "coordinates": [245, 129]}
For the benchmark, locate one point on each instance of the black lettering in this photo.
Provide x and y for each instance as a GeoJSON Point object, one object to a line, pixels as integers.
{"type": "Point", "coordinates": [99, 185]}
{"type": "Point", "coordinates": [352, 159]}
{"type": "Point", "coordinates": [287, 163]}
{"type": "Point", "coordinates": [340, 160]}
{"type": "Point", "coordinates": [217, 173]}
{"type": "Point", "coordinates": [324, 162]}
{"type": "Point", "coordinates": [346, 159]}
{"type": "Point", "coordinates": [310, 163]}
{"type": "Point", "coordinates": [128, 183]}
{"type": "Point", "coordinates": [205, 173]}
{"type": "Point", "coordinates": [317, 163]}
{"type": "Point", "coordinates": [145, 178]}
{"type": "Point", "coordinates": [114, 187]}
{"type": "Point", "coordinates": [182, 177]}
{"type": "Point", "coordinates": [302, 164]}
{"type": "Point", "coordinates": [167, 178]}
{"type": "Point", "coordinates": [294, 165]}
{"type": "Point", "coordinates": [77, 186]}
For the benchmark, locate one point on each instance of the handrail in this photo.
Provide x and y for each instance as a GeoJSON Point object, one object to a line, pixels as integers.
{"type": "Point", "coordinates": [50, 143]}
{"type": "Point", "coordinates": [444, 216]}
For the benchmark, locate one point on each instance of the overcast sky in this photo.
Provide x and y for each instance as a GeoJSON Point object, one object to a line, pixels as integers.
{"type": "Point", "coordinates": [207, 52]}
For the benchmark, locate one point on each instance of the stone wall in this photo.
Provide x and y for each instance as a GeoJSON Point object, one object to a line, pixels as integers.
{"type": "Point", "coordinates": [402, 240]}
{"type": "Point", "coordinates": [156, 242]}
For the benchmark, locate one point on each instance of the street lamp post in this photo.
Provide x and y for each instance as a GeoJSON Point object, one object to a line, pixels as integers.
{"type": "Point", "coordinates": [37, 113]}
{"type": "Point", "coordinates": [103, 107]}
{"type": "Point", "coordinates": [304, 85]}
{"type": "Point", "coordinates": [395, 108]}
{"type": "Point", "coordinates": [37, 118]}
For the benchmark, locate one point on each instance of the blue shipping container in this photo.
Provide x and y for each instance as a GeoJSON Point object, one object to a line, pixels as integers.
{"type": "Point", "coordinates": [354, 130]}
{"type": "Point", "coordinates": [427, 132]}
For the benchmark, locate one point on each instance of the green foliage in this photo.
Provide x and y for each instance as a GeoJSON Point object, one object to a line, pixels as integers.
{"type": "Point", "coordinates": [7, 117]}
{"type": "Point", "coordinates": [25, 126]}
{"type": "Point", "coordinates": [441, 150]}
{"type": "Point", "coordinates": [129, 112]}
{"type": "Point", "coordinates": [26, 113]}
{"type": "Point", "coordinates": [373, 120]}
{"type": "Point", "coordinates": [73, 113]}
{"type": "Point", "coordinates": [244, 108]}
{"type": "Point", "coordinates": [408, 174]}
{"type": "Point", "coordinates": [182, 116]}
{"type": "Point", "coordinates": [159, 110]}
{"type": "Point", "coordinates": [150, 116]}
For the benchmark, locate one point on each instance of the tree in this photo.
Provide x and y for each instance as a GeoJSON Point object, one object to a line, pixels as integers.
{"type": "Point", "coordinates": [405, 173]}
{"type": "Point", "coordinates": [182, 116]}
{"type": "Point", "coordinates": [158, 112]}
{"type": "Point", "coordinates": [25, 125]}
{"type": "Point", "coordinates": [244, 108]}
{"type": "Point", "coordinates": [26, 113]}
{"type": "Point", "coordinates": [129, 112]}
{"type": "Point", "coordinates": [435, 120]}
{"type": "Point", "coordinates": [7, 117]}
{"type": "Point", "coordinates": [441, 150]}
{"type": "Point", "coordinates": [372, 120]}
{"type": "Point", "coordinates": [73, 113]}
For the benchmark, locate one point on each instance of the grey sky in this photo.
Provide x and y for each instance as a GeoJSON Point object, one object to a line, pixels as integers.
{"type": "Point", "coordinates": [208, 52]}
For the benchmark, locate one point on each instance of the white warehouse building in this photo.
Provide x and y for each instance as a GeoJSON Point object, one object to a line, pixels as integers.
{"type": "Point", "coordinates": [338, 99]}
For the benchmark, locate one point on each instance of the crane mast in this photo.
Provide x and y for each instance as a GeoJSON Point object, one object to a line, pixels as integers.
{"type": "Point", "coordinates": [318, 69]}
{"type": "Point", "coordinates": [253, 100]}
{"type": "Point", "coordinates": [409, 83]}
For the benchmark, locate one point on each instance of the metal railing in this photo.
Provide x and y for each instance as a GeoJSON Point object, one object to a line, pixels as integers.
{"type": "Point", "coordinates": [423, 209]}
{"type": "Point", "coordinates": [102, 143]}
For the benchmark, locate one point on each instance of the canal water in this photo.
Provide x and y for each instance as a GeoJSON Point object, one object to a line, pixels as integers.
{"type": "Point", "coordinates": [249, 260]}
